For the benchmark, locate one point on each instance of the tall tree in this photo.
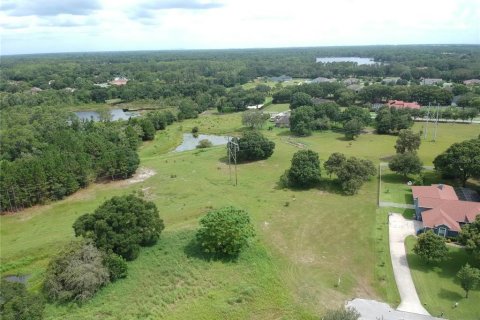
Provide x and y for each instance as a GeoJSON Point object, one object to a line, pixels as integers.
{"type": "Point", "coordinates": [305, 169]}
{"type": "Point", "coordinates": [469, 278]}
{"type": "Point", "coordinates": [470, 237]}
{"type": "Point", "coordinates": [406, 163]}
{"type": "Point", "coordinates": [407, 141]}
{"type": "Point", "coordinates": [431, 247]}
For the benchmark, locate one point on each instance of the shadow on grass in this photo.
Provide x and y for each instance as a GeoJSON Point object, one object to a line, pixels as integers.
{"type": "Point", "coordinates": [394, 178]}
{"type": "Point", "coordinates": [287, 133]}
{"type": "Point", "coordinates": [449, 295]}
{"type": "Point", "coordinates": [326, 185]}
{"type": "Point", "coordinates": [193, 250]}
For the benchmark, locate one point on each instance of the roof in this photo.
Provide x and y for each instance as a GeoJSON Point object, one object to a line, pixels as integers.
{"type": "Point", "coordinates": [321, 79]}
{"type": "Point", "coordinates": [451, 213]}
{"type": "Point", "coordinates": [444, 207]}
{"type": "Point", "coordinates": [435, 191]}
{"type": "Point", "coordinates": [399, 104]}
{"type": "Point", "coordinates": [471, 81]}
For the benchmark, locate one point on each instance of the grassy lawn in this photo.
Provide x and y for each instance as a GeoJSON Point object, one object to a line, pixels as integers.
{"type": "Point", "coordinates": [438, 286]}
{"type": "Point", "coordinates": [277, 107]}
{"type": "Point", "coordinates": [395, 188]}
{"type": "Point", "coordinates": [303, 245]}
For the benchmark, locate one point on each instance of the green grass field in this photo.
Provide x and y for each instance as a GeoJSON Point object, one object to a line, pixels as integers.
{"type": "Point", "coordinates": [438, 286]}
{"type": "Point", "coordinates": [277, 107]}
{"type": "Point", "coordinates": [306, 240]}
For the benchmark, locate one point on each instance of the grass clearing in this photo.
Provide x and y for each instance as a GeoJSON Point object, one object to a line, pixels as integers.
{"type": "Point", "coordinates": [292, 271]}
{"type": "Point", "coordinates": [438, 287]}
{"type": "Point", "coordinates": [277, 107]}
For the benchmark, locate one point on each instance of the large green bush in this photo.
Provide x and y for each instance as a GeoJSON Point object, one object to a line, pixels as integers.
{"type": "Point", "coordinates": [305, 169]}
{"type": "Point", "coordinates": [225, 231]}
{"type": "Point", "coordinates": [122, 225]}
{"type": "Point", "coordinates": [254, 146]}
{"type": "Point", "coordinates": [16, 303]}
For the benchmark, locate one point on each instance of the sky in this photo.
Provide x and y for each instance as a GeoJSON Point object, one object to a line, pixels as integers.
{"type": "Point", "coordinates": [33, 26]}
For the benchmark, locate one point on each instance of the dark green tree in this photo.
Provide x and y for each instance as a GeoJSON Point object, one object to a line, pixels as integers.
{"type": "Point", "coordinates": [470, 237]}
{"type": "Point", "coordinates": [406, 163]}
{"type": "Point", "coordinates": [16, 303]}
{"type": "Point", "coordinates": [334, 163]}
{"type": "Point", "coordinates": [226, 231]}
{"type": "Point", "coordinates": [254, 119]}
{"type": "Point", "coordinates": [301, 120]}
{"type": "Point", "coordinates": [353, 173]}
{"type": "Point", "coordinates": [431, 247]}
{"type": "Point", "coordinates": [353, 128]}
{"type": "Point", "coordinates": [121, 225]}
{"type": "Point", "coordinates": [461, 160]}
{"type": "Point", "coordinates": [300, 99]}
{"type": "Point", "coordinates": [305, 169]}
{"type": "Point", "coordinates": [254, 146]}
{"type": "Point", "coordinates": [407, 141]}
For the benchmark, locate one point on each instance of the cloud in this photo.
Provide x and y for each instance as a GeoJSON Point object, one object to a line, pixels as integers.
{"type": "Point", "coordinates": [67, 21]}
{"type": "Point", "coordinates": [21, 8]}
{"type": "Point", "coordinates": [183, 4]}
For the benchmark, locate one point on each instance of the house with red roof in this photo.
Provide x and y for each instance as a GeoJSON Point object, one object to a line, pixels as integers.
{"type": "Point", "coordinates": [399, 104]}
{"type": "Point", "coordinates": [440, 210]}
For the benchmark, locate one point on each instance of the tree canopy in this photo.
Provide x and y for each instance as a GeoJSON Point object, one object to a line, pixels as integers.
{"type": "Point", "coordinates": [470, 237]}
{"type": "Point", "coordinates": [431, 247]}
{"type": "Point", "coordinates": [121, 225]}
{"type": "Point", "coordinates": [407, 141]}
{"type": "Point", "coordinates": [406, 163]}
{"type": "Point", "coordinates": [254, 146]}
{"type": "Point", "coordinates": [305, 169]}
{"type": "Point", "coordinates": [469, 278]}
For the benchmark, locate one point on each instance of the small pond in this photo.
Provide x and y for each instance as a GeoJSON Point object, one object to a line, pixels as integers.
{"type": "Point", "coordinates": [360, 61]}
{"type": "Point", "coordinates": [19, 279]}
{"type": "Point", "coordinates": [190, 142]}
{"type": "Point", "coordinates": [115, 114]}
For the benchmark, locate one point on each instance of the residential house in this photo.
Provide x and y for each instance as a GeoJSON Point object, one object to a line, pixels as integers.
{"type": "Point", "coordinates": [281, 78]}
{"type": "Point", "coordinates": [350, 81]}
{"type": "Point", "coordinates": [321, 80]}
{"type": "Point", "coordinates": [399, 104]}
{"type": "Point", "coordinates": [35, 90]}
{"type": "Point", "coordinates": [430, 81]}
{"type": "Point", "coordinates": [282, 120]}
{"type": "Point", "coordinates": [119, 81]}
{"type": "Point", "coordinates": [440, 210]}
{"type": "Point", "coordinates": [471, 82]}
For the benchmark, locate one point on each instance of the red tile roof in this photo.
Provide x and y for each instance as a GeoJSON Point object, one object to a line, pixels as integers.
{"type": "Point", "coordinates": [436, 191]}
{"type": "Point", "coordinates": [399, 104]}
{"type": "Point", "coordinates": [445, 208]}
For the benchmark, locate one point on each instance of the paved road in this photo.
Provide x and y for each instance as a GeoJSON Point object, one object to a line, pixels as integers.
{"type": "Point", "coordinates": [399, 229]}
{"type": "Point", "coordinates": [374, 310]}
{"type": "Point", "coordinates": [396, 205]}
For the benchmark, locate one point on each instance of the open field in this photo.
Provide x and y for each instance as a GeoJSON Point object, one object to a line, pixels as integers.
{"type": "Point", "coordinates": [278, 107]}
{"type": "Point", "coordinates": [307, 240]}
{"type": "Point", "coordinates": [438, 286]}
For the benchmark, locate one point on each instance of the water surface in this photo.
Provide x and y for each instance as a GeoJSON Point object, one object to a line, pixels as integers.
{"type": "Point", "coordinates": [190, 142]}
{"type": "Point", "coordinates": [115, 114]}
{"type": "Point", "coordinates": [360, 61]}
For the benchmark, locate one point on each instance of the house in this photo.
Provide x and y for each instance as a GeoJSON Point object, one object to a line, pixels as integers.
{"type": "Point", "coordinates": [281, 78]}
{"type": "Point", "coordinates": [119, 81]}
{"type": "Point", "coordinates": [471, 82]}
{"type": "Point", "coordinates": [390, 80]}
{"type": "Point", "coordinates": [355, 87]}
{"type": "Point", "coordinates": [321, 80]}
{"type": "Point", "coordinates": [430, 81]}
{"type": "Point", "coordinates": [440, 210]}
{"type": "Point", "coordinates": [350, 81]}
{"type": "Point", "coordinates": [399, 104]}
{"type": "Point", "coordinates": [35, 90]}
{"type": "Point", "coordinates": [282, 120]}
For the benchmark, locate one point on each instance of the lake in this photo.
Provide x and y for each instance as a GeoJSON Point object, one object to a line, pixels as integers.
{"type": "Point", "coordinates": [360, 61]}
{"type": "Point", "coordinates": [115, 114]}
{"type": "Point", "coordinates": [190, 142]}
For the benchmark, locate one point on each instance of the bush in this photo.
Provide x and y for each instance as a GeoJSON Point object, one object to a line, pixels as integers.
{"type": "Point", "coordinates": [342, 314]}
{"type": "Point", "coordinates": [431, 247]}
{"type": "Point", "coordinates": [116, 265]}
{"type": "Point", "coordinates": [305, 169]}
{"type": "Point", "coordinates": [16, 303]}
{"type": "Point", "coordinates": [76, 273]}
{"type": "Point", "coordinates": [254, 146]}
{"type": "Point", "coordinates": [121, 225]}
{"type": "Point", "coordinates": [205, 143]}
{"type": "Point", "coordinates": [225, 231]}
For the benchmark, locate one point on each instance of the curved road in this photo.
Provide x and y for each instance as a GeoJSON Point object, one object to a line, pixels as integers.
{"type": "Point", "coordinates": [399, 229]}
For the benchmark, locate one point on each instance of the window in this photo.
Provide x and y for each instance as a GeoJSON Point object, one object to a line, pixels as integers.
{"type": "Point", "coordinates": [442, 231]}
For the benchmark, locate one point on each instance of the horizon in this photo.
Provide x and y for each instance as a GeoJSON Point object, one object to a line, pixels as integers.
{"type": "Point", "coordinates": [68, 26]}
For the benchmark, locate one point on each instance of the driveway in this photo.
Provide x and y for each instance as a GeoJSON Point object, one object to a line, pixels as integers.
{"type": "Point", "coordinates": [399, 229]}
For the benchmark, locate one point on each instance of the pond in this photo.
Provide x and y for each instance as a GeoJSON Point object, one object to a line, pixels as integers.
{"type": "Point", "coordinates": [19, 278]}
{"type": "Point", "coordinates": [190, 142]}
{"type": "Point", "coordinates": [115, 114]}
{"type": "Point", "coordinates": [360, 61]}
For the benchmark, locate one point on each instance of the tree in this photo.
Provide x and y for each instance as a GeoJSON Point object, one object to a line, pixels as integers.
{"type": "Point", "coordinates": [254, 119]}
{"type": "Point", "coordinates": [148, 129]}
{"type": "Point", "coordinates": [76, 273]}
{"type": "Point", "coordinates": [469, 278]}
{"type": "Point", "coordinates": [121, 225]}
{"type": "Point", "coordinates": [342, 314]}
{"type": "Point", "coordinates": [353, 128]}
{"type": "Point", "coordinates": [461, 160]}
{"type": "Point", "coordinates": [470, 237]}
{"type": "Point", "coordinates": [254, 146]}
{"type": "Point", "coordinates": [334, 163]}
{"type": "Point", "coordinates": [406, 163]}
{"type": "Point", "coordinates": [225, 231]}
{"type": "Point", "coordinates": [353, 173]}
{"type": "Point", "coordinates": [16, 303]}
{"type": "Point", "coordinates": [407, 141]}
{"type": "Point", "coordinates": [116, 265]}
{"type": "Point", "coordinates": [431, 247]}
{"type": "Point", "coordinates": [305, 169]}
{"type": "Point", "coordinates": [301, 120]}
{"type": "Point", "coordinates": [204, 143]}
{"type": "Point", "coordinates": [300, 99]}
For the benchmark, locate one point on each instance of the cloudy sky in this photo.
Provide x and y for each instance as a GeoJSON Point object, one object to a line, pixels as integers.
{"type": "Point", "coordinates": [33, 26]}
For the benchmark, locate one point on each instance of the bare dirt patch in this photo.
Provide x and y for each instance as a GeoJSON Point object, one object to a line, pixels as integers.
{"type": "Point", "coordinates": [142, 174]}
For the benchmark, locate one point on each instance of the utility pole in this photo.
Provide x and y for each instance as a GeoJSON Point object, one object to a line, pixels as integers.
{"type": "Point", "coordinates": [436, 123]}
{"type": "Point", "coordinates": [426, 125]}
{"type": "Point", "coordinates": [232, 154]}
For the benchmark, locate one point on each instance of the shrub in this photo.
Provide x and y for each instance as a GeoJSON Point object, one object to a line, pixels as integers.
{"type": "Point", "coordinates": [205, 143]}
{"type": "Point", "coordinates": [76, 273]}
{"type": "Point", "coordinates": [225, 231]}
{"type": "Point", "coordinates": [431, 247]}
{"type": "Point", "coordinates": [342, 314]}
{"type": "Point", "coordinates": [16, 303]}
{"type": "Point", "coordinates": [116, 265]}
{"type": "Point", "coordinates": [305, 169]}
{"type": "Point", "coordinates": [121, 225]}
